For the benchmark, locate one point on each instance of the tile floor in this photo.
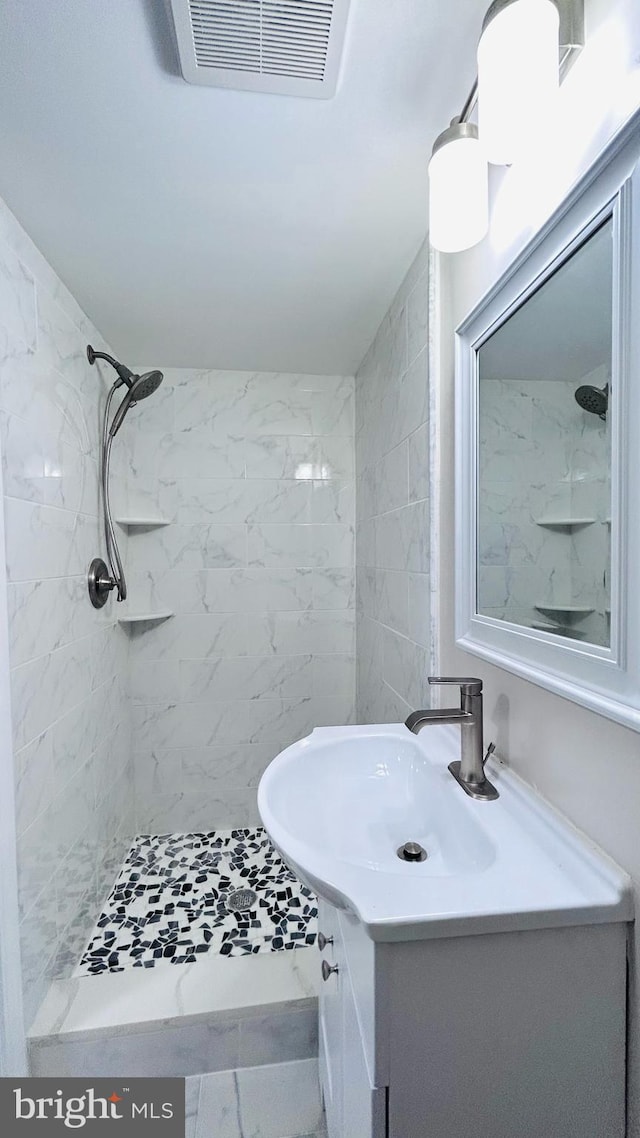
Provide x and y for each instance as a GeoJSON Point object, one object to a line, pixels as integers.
{"type": "Point", "coordinates": [277, 1101]}
{"type": "Point", "coordinates": [169, 903]}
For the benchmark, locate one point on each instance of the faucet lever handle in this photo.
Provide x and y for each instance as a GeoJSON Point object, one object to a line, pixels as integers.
{"type": "Point", "coordinates": [469, 685]}
{"type": "Point", "coordinates": [490, 749]}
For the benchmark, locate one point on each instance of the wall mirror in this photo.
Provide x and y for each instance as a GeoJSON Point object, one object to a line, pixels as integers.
{"type": "Point", "coordinates": [548, 451]}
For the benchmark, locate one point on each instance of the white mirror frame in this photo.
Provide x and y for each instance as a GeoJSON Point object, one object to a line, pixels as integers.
{"type": "Point", "coordinates": [606, 680]}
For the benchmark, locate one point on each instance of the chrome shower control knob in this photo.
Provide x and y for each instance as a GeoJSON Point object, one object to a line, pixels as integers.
{"type": "Point", "coordinates": [328, 969]}
{"type": "Point", "coordinates": [323, 941]}
{"type": "Point", "coordinates": [99, 582]}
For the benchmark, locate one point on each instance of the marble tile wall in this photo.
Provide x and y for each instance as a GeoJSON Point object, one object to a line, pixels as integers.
{"type": "Point", "coordinates": [255, 473]}
{"type": "Point", "coordinates": [394, 635]}
{"type": "Point", "coordinates": [542, 457]}
{"type": "Point", "coordinates": [71, 741]}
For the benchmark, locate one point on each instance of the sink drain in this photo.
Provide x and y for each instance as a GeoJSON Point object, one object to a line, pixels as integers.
{"type": "Point", "coordinates": [411, 851]}
{"type": "Point", "coordinates": [240, 900]}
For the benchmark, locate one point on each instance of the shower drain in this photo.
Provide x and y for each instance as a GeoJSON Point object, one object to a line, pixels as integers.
{"type": "Point", "coordinates": [241, 899]}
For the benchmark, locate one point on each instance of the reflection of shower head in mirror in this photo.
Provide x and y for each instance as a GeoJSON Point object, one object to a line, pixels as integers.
{"type": "Point", "coordinates": [593, 399]}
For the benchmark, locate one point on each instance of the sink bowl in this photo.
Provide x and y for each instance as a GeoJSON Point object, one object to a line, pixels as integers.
{"type": "Point", "coordinates": [339, 804]}
{"type": "Point", "coordinates": [380, 793]}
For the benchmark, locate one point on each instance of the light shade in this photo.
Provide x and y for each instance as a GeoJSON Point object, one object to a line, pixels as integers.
{"type": "Point", "coordinates": [458, 190]}
{"type": "Point", "coordinates": [518, 76]}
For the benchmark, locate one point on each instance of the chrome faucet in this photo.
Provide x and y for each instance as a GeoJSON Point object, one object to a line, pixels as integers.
{"type": "Point", "coordinates": [469, 770]}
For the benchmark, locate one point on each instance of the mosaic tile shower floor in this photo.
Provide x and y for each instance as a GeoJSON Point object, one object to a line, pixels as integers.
{"type": "Point", "coordinates": [169, 903]}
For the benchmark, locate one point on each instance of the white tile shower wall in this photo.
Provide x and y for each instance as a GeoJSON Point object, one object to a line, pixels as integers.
{"type": "Point", "coordinates": [71, 735]}
{"type": "Point", "coordinates": [542, 457]}
{"type": "Point", "coordinates": [255, 473]}
{"type": "Point", "coordinates": [392, 541]}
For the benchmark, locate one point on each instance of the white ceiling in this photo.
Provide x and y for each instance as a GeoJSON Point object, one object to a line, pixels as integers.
{"type": "Point", "coordinates": [204, 227]}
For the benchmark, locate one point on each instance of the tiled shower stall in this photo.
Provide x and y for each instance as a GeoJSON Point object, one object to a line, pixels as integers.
{"type": "Point", "coordinates": [254, 474]}
{"type": "Point", "coordinates": [153, 720]}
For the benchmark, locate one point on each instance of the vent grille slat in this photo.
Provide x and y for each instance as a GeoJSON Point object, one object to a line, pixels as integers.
{"type": "Point", "coordinates": [220, 41]}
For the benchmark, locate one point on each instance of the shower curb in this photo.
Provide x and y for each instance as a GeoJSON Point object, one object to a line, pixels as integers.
{"type": "Point", "coordinates": [172, 1020]}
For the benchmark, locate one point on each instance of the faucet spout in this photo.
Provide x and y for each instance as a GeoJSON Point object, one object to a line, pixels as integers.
{"type": "Point", "coordinates": [419, 719]}
{"type": "Point", "coordinates": [469, 770]}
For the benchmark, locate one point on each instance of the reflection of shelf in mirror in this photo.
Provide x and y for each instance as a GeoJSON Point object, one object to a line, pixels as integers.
{"type": "Point", "coordinates": [573, 612]}
{"type": "Point", "coordinates": [140, 617]}
{"type": "Point", "coordinates": [131, 523]}
{"type": "Point", "coordinates": [559, 630]}
{"type": "Point", "coordinates": [564, 523]}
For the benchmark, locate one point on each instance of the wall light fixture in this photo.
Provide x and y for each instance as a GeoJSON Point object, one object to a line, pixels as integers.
{"type": "Point", "coordinates": [525, 49]}
{"type": "Point", "coordinates": [518, 75]}
{"type": "Point", "coordinates": [458, 188]}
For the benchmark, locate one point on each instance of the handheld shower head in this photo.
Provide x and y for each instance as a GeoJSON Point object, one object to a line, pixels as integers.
{"type": "Point", "coordinates": [593, 399]}
{"type": "Point", "coordinates": [146, 384]}
{"type": "Point", "coordinates": [140, 388]}
{"type": "Point", "coordinates": [101, 581]}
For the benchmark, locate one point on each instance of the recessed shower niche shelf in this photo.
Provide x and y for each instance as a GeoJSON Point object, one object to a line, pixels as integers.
{"type": "Point", "coordinates": [570, 612]}
{"type": "Point", "coordinates": [565, 523]}
{"type": "Point", "coordinates": [134, 523]}
{"type": "Point", "coordinates": [144, 617]}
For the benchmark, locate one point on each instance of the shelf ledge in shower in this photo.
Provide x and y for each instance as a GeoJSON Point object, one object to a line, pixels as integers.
{"type": "Point", "coordinates": [131, 523]}
{"type": "Point", "coordinates": [569, 610]}
{"type": "Point", "coordinates": [565, 523]}
{"type": "Point", "coordinates": [142, 617]}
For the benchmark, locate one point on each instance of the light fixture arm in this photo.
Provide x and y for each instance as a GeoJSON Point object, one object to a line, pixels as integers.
{"type": "Point", "coordinates": [472, 99]}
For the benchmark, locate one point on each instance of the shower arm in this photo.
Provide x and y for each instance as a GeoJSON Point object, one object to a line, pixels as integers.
{"type": "Point", "coordinates": [113, 553]}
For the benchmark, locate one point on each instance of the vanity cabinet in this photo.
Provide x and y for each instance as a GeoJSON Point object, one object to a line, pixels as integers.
{"type": "Point", "coordinates": [354, 1105]}
{"type": "Point", "coordinates": [492, 1035]}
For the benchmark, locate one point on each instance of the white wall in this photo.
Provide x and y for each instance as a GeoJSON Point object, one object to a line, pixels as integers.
{"type": "Point", "coordinates": [584, 764]}
{"type": "Point", "coordinates": [73, 777]}
{"type": "Point", "coordinates": [255, 473]}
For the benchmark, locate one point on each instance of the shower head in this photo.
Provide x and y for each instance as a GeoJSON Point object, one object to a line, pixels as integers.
{"type": "Point", "coordinates": [144, 385]}
{"type": "Point", "coordinates": [593, 399]}
{"type": "Point", "coordinates": [140, 387]}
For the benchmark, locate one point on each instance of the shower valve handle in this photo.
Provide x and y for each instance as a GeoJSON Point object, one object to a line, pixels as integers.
{"type": "Point", "coordinates": [100, 583]}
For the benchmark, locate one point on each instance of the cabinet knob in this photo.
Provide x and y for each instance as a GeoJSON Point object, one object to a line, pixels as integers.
{"type": "Point", "coordinates": [323, 941]}
{"type": "Point", "coordinates": [327, 969]}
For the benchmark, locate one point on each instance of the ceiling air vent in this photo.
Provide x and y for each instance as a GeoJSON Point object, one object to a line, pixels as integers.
{"type": "Point", "coordinates": [285, 47]}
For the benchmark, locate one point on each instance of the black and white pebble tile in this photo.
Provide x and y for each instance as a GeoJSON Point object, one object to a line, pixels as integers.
{"type": "Point", "coordinates": [170, 903]}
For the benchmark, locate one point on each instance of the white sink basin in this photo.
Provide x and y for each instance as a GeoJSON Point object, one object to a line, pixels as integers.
{"type": "Point", "coordinates": [340, 803]}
